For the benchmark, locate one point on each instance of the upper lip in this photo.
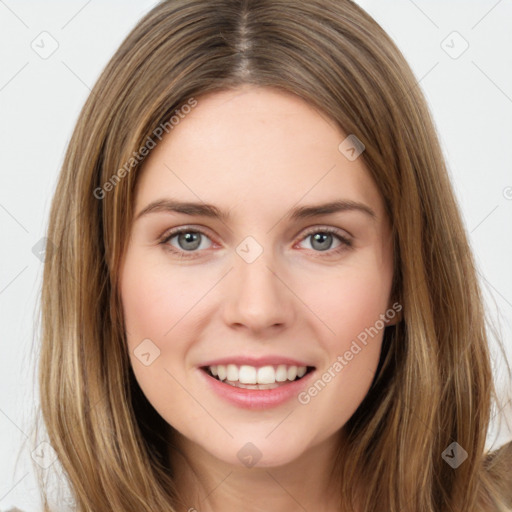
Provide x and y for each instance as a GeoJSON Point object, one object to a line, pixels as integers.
{"type": "Point", "coordinates": [256, 361]}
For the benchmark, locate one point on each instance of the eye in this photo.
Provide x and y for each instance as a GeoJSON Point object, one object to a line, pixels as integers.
{"type": "Point", "coordinates": [186, 240]}
{"type": "Point", "coordinates": [322, 240]}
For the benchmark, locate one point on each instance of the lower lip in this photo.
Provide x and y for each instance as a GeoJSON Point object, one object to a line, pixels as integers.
{"type": "Point", "coordinates": [257, 398]}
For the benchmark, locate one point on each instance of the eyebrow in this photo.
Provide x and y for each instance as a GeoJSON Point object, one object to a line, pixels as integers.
{"type": "Point", "coordinates": [209, 210]}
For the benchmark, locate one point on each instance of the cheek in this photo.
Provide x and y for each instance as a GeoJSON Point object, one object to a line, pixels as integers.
{"type": "Point", "coordinates": [155, 305]}
{"type": "Point", "coordinates": [154, 298]}
{"type": "Point", "coordinates": [165, 305]}
{"type": "Point", "coordinates": [350, 301]}
{"type": "Point", "coordinates": [350, 304]}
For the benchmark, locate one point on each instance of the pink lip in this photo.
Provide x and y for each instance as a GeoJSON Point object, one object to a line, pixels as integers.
{"type": "Point", "coordinates": [257, 398]}
{"type": "Point", "coordinates": [255, 361]}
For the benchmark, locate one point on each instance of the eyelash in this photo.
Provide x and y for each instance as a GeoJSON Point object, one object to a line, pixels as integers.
{"type": "Point", "coordinates": [346, 243]}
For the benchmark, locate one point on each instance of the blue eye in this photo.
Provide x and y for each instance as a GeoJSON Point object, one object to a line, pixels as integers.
{"type": "Point", "coordinates": [322, 240]}
{"type": "Point", "coordinates": [189, 241]}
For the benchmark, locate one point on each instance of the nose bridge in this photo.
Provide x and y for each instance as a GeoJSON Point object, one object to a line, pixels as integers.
{"type": "Point", "coordinates": [257, 297]}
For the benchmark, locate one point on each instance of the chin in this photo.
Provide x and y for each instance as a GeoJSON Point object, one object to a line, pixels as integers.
{"type": "Point", "coordinates": [256, 452]}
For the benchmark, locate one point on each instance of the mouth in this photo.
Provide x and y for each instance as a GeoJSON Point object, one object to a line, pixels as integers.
{"type": "Point", "coordinates": [257, 378]}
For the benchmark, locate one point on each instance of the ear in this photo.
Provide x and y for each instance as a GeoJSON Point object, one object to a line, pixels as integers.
{"type": "Point", "coordinates": [394, 313]}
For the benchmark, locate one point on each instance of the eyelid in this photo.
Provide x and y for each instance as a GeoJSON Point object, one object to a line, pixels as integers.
{"type": "Point", "coordinates": [320, 228]}
{"type": "Point", "coordinates": [170, 233]}
{"type": "Point", "coordinates": [346, 242]}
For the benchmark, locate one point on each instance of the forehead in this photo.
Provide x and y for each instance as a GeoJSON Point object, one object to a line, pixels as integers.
{"type": "Point", "coordinates": [254, 149]}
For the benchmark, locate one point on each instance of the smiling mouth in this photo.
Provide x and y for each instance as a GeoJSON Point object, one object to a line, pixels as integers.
{"type": "Point", "coordinates": [250, 377]}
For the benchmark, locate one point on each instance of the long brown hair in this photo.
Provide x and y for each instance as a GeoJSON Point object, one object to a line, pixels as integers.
{"type": "Point", "coordinates": [434, 385]}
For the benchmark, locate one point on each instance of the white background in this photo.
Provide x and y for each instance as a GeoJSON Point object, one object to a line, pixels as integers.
{"type": "Point", "coordinates": [470, 97]}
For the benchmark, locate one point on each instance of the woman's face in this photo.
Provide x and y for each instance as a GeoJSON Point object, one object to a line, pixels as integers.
{"type": "Point", "coordinates": [262, 284]}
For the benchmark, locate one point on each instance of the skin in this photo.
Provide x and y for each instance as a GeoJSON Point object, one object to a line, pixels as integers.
{"type": "Point", "coordinates": [255, 153]}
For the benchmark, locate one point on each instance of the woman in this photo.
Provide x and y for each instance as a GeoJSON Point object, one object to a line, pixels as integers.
{"type": "Point", "coordinates": [260, 368]}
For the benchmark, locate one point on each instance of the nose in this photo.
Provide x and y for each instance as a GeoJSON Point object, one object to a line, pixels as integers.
{"type": "Point", "coordinates": [257, 297]}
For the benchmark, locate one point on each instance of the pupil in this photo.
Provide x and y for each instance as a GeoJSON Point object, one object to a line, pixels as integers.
{"type": "Point", "coordinates": [321, 238]}
{"type": "Point", "coordinates": [189, 240]}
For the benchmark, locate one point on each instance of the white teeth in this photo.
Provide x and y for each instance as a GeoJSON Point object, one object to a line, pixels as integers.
{"type": "Point", "coordinates": [221, 369]}
{"type": "Point", "coordinates": [292, 372]}
{"type": "Point", "coordinates": [281, 373]}
{"type": "Point", "coordinates": [232, 372]}
{"type": "Point", "coordinates": [266, 375]}
{"type": "Point", "coordinates": [246, 374]}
